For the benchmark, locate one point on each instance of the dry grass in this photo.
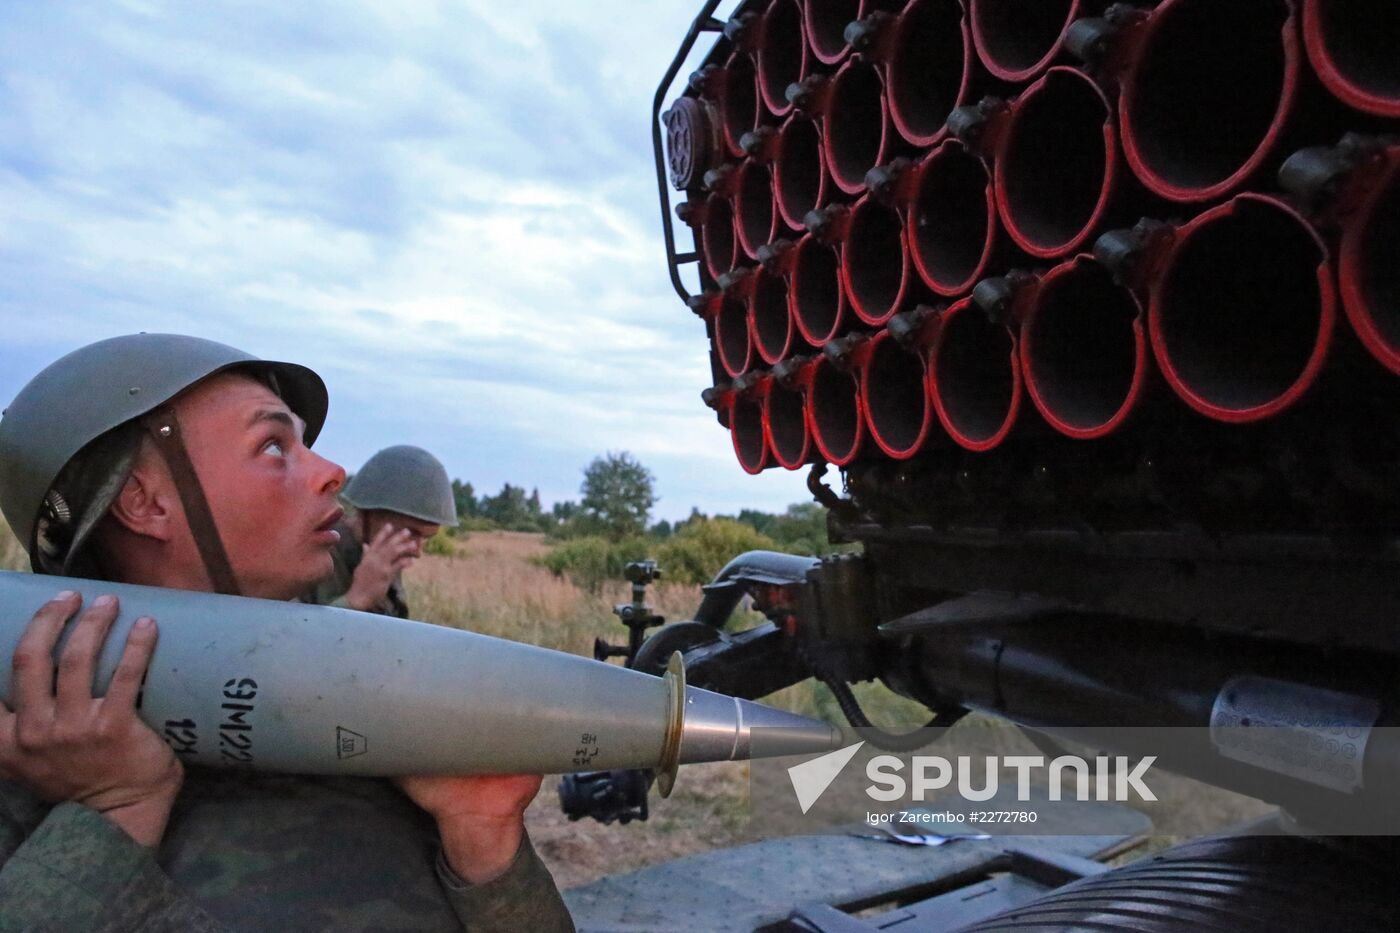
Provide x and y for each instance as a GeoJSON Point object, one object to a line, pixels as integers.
{"type": "Point", "coordinates": [490, 586]}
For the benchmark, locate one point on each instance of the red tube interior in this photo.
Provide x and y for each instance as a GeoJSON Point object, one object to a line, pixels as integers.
{"type": "Point", "coordinates": [788, 436]}
{"type": "Point", "coordinates": [826, 22]}
{"type": "Point", "coordinates": [818, 297]}
{"type": "Point", "coordinates": [1018, 38]}
{"type": "Point", "coordinates": [746, 426]}
{"type": "Point", "coordinates": [1242, 315]}
{"type": "Point", "coordinates": [732, 337]}
{"type": "Point", "coordinates": [975, 378]}
{"type": "Point", "coordinates": [783, 54]}
{"type": "Point", "coordinates": [757, 223]}
{"type": "Point", "coordinates": [739, 107]}
{"type": "Point", "coordinates": [836, 416]}
{"type": "Point", "coordinates": [896, 398]}
{"type": "Point", "coordinates": [772, 318]}
{"type": "Point", "coordinates": [1056, 165]}
{"type": "Point", "coordinates": [952, 225]}
{"type": "Point", "coordinates": [1353, 45]}
{"type": "Point", "coordinates": [1370, 273]}
{"type": "Point", "coordinates": [1211, 89]}
{"type": "Point", "coordinates": [855, 125]}
{"type": "Point", "coordinates": [875, 262]}
{"type": "Point", "coordinates": [799, 172]}
{"type": "Point", "coordinates": [1083, 350]}
{"type": "Point", "coordinates": [717, 236]}
{"type": "Point", "coordinates": [929, 69]}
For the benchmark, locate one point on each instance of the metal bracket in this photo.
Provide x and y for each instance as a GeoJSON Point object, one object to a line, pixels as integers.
{"type": "Point", "coordinates": [705, 22]}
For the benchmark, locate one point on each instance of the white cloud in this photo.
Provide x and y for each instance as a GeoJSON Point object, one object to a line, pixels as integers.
{"type": "Point", "coordinates": [446, 207]}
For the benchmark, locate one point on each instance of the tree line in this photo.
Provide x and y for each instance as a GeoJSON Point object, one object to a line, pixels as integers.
{"type": "Point", "coordinates": [610, 524]}
{"type": "Point", "coordinates": [616, 498]}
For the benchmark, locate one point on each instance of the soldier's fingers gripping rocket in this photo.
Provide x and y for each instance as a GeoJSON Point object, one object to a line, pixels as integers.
{"type": "Point", "coordinates": [277, 686]}
{"type": "Point", "coordinates": [60, 740]}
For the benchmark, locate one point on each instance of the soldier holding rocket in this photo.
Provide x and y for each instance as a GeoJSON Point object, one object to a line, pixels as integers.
{"type": "Point", "coordinates": [177, 462]}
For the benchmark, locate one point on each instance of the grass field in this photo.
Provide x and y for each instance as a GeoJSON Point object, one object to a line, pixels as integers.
{"type": "Point", "coordinates": [492, 586]}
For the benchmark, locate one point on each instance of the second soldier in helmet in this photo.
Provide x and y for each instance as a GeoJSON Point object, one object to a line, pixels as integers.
{"type": "Point", "coordinates": [401, 498]}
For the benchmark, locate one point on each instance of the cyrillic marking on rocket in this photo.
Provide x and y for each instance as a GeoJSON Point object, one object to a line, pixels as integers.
{"type": "Point", "coordinates": [235, 732]}
{"type": "Point", "coordinates": [587, 749]}
{"type": "Point", "coordinates": [182, 735]}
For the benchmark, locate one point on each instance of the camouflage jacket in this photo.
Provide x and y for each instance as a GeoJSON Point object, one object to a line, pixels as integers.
{"type": "Point", "coordinates": [346, 556]}
{"type": "Point", "coordinates": [256, 852]}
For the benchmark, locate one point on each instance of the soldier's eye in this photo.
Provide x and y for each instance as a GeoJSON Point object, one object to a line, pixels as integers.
{"type": "Point", "coordinates": [274, 447]}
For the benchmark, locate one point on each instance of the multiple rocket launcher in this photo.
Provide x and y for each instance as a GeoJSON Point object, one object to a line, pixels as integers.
{"type": "Point", "coordinates": [920, 225]}
{"type": "Point", "coordinates": [280, 686]}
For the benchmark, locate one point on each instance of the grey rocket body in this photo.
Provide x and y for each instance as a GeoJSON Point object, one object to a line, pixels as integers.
{"type": "Point", "coordinates": [279, 686]}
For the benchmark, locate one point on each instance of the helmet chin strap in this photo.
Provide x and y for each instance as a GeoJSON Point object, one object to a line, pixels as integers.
{"type": "Point", "coordinates": [164, 429]}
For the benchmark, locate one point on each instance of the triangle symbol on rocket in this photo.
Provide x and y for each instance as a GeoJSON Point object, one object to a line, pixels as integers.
{"type": "Point", "coordinates": [349, 744]}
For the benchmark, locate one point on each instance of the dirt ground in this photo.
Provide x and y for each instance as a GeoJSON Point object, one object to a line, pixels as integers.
{"type": "Point", "coordinates": [708, 810]}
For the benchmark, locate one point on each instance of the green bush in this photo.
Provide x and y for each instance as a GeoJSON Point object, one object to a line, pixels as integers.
{"type": "Point", "coordinates": [441, 544]}
{"type": "Point", "coordinates": [592, 561]}
{"type": "Point", "coordinates": [694, 553]}
{"type": "Point", "coordinates": [800, 530]}
{"type": "Point", "coordinates": [576, 526]}
{"type": "Point", "coordinates": [704, 545]}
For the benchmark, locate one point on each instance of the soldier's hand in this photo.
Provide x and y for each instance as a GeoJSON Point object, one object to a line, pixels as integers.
{"type": "Point", "coordinates": [385, 557]}
{"type": "Point", "coordinates": [480, 817]}
{"type": "Point", "coordinates": [63, 743]}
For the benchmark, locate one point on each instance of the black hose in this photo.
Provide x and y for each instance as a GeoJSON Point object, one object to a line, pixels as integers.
{"type": "Point", "coordinates": [887, 741]}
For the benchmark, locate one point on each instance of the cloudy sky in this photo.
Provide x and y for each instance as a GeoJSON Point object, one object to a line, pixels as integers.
{"type": "Point", "coordinates": [448, 209]}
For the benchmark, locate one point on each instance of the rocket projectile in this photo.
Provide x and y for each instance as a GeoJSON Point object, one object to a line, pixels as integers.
{"type": "Point", "coordinates": [280, 686]}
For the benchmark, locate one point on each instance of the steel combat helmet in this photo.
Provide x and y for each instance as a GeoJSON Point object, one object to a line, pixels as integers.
{"type": "Point", "coordinates": [68, 439]}
{"type": "Point", "coordinates": [407, 480]}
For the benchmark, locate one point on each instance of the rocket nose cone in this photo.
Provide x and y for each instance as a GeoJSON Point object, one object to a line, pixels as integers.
{"type": "Point", "coordinates": [721, 728]}
{"type": "Point", "coordinates": [775, 732]}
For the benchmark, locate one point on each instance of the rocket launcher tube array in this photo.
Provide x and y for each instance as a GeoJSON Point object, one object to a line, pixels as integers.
{"type": "Point", "coordinates": [1082, 126]}
{"type": "Point", "coordinates": [286, 687]}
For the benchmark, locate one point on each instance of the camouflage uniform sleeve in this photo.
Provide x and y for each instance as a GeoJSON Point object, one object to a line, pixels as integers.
{"type": "Point", "coordinates": [77, 871]}
{"type": "Point", "coordinates": [524, 898]}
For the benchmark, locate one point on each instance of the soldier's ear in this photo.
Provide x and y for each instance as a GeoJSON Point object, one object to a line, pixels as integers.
{"type": "Point", "coordinates": [148, 504]}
